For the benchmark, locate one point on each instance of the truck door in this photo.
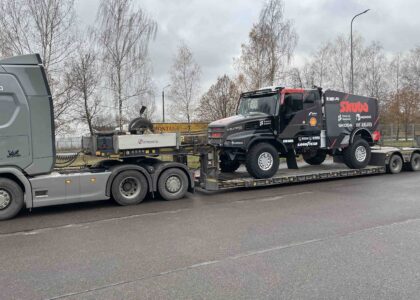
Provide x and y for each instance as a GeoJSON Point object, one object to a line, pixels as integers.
{"type": "Point", "coordinates": [300, 114]}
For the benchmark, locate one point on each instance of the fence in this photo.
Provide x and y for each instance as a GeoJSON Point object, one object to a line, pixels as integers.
{"type": "Point", "coordinates": [399, 133]}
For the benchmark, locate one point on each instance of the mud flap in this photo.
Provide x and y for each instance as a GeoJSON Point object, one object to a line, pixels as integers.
{"type": "Point", "coordinates": [291, 160]}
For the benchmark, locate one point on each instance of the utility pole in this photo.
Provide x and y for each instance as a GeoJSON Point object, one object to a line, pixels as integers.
{"type": "Point", "coordinates": [351, 49]}
{"type": "Point", "coordinates": [163, 102]}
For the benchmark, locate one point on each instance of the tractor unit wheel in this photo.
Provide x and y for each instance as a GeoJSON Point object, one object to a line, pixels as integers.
{"type": "Point", "coordinates": [173, 184]}
{"type": "Point", "coordinates": [395, 164]}
{"type": "Point", "coordinates": [262, 161]}
{"type": "Point", "coordinates": [415, 162]}
{"type": "Point", "coordinates": [129, 188]}
{"type": "Point", "coordinates": [357, 155]}
{"type": "Point", "coordinates": [11, 199]}
{"type": "Point", "coordinates": [314, 158]}
{"type": "Point", "coordinates": [227, 165]}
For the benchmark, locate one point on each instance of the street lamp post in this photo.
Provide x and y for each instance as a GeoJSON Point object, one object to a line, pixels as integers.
{"type": "Point", "coordinates": [163, 102]}
{"type": "Point", "coordinates": [351, 49]}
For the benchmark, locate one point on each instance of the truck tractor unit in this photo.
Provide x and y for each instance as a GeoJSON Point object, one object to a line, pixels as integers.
{"type": "Point", "coordinates": [29, 176]}
{"type": "Point", "coordinates": [286, 122]}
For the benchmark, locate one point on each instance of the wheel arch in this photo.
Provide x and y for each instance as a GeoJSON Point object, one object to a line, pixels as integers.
{"type": "Point", "coordinates": [364, 134]}
{"type": "Point", "coordinates": [165, 166]}
{"type": "Point", "coordinates": [278, 145]}
{"type": "Point", "coordinates": [17, 176]}
{"type": "Point", "coordinates": [118, 169]}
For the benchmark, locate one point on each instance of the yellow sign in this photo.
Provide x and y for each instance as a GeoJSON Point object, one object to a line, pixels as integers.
{"type": "Point", "coordinates": [179, 127]}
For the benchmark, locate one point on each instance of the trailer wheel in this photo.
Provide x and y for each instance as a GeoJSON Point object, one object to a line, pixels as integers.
{"type": "Point", "coordinates": [395, 164]}
{"type": "Point", "coordinates": [227, 165]}
{"type": "Point", "coordinates": [11, 199]}
{"type": "Point", "coordinates": [173, 184]}
{"type": "Point", "coordinates": [262, 161]}
{"type": "Point", "coordinates": [357, 155]}
{"type": "Point", "coordinates": [129, 188]}
{"type": "Point", "coordinates": [314, 158]}
{"type": "Point", "coordinates": [415, 162]}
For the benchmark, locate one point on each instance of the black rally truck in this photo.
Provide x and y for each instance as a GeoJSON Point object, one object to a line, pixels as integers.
{"type": "Point", "coordinates": [286, 122]}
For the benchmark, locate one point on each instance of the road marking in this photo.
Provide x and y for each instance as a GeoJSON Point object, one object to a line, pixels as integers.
{"type": "Point", "coordinates": [233, 258]}
{"type": "Point", "coordinates": [86, 224]}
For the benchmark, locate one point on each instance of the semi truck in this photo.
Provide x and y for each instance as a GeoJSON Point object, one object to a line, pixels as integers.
{"type": "Point", "coordinates": [130, 168]}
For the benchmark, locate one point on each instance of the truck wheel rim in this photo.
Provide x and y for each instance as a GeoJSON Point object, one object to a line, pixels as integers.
{"type": "Point", "coordinates": [5, 199]}
{"type": "Point", "coordinates": [173, 184]}
{"type": "Point", "coordinates": [130, 187]}
{"type": "Point", "coordinates": [265, 161]}
{"type": "Point", "coordinates": [416, 162]}
{"type": "Point", "coordinates": [361, 154]}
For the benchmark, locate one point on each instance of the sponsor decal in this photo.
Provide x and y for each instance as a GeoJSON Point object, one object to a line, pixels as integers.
{"type": "Point", "coordinates": [307, 144]}
{"type": "Point", "coordinates": [265, 122]}
{"type": "Point", "coordinates": [359, 117]}
{"type": "Point", "coordinates": [333, 99]}
{"type": "Point", "coordinates": [235, 128]}
{"type": "Point", "coordinates": [344, 118]}
{"type": "Point", "coordinates": [364, 124]}
{"type": "Point", "coordinates": [309, 138]}
{"type": "Point", "coordinates": [237, 143]}
{"type": "Point", "coordinates": [288, 141]}
{"type": "Point", "coordinates": [313, 114]}
{"type": "Point", "coordinates": [313, 121]}
{"type": "Point", "coordinates": [13, 153]}
{"type": "Point", "coordinates": [345, 125]}
{"type": "Point", "coordinates": [353, 107]}
{"type": "Point", "coordinates": [141, 142]}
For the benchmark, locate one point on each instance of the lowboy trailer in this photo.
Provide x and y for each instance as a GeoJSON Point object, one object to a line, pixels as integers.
{"type": "Point", "coordinates": [130, 169]}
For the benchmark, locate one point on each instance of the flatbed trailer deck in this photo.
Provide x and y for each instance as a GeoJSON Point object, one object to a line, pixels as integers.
{"type": "Point", "coordinates": [384, 160]}
{"type": "Point", "coordinates": [285, 176]}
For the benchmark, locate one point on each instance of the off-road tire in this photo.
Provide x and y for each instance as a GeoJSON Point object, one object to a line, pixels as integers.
{"type": "Point", "coordinates": [395, 164]}
{"type": "Point", "coordinates": [129, 188]}
{"type": "Point", "coordinates": [227, 165]}
{"type": "Point", "coordinates": [259, 154]}
{"type": "Point", "coordinates": [12, 191]}
{"type": "Point", "coordinates": [414, 162]}
{"type": "Point", "coordinates": [354, 152]}
{"type": "Point", "coordinates": [314, 159]}
{"type": "Point", "coordinates": [179, 184]}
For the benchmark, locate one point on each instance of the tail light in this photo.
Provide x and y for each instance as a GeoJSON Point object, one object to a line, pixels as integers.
{"type": "Point", "coordinates": [377, 136]}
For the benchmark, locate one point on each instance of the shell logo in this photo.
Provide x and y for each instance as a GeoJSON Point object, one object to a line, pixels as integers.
{"type": "Point", "coordinates": [313, 121]}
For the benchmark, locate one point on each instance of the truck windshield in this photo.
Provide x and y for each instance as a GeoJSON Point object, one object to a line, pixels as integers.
{"type": "Point", "coordinates": [262, 104]}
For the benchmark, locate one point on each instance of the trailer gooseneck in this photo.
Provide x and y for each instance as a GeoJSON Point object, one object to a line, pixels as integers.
{"type": "Point", "coordinates": [28, 177]}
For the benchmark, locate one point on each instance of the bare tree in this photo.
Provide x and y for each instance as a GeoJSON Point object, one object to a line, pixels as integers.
{"type": "Point", "coordinates": [124, 35]}
{"type": "Point", "coordinates": [85, 78]}
{"type": "Point", "coordinates": [373, 82]}
{"type": "Point", "coordinates": [270, 47]}
{"type": "Point", "coordinates": [219, 101]}
{"type": "Point", "coordinates": [46, 27]}
{"type": "Point", "coordinates": [185, 84]}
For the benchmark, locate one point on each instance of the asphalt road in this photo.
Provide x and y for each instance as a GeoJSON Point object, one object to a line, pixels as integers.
{"type": "Point", "coordinates": [355, 238]}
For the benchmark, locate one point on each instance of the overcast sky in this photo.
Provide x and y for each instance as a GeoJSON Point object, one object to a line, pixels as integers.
{"type": "Point", "coordinates": [215, 29]}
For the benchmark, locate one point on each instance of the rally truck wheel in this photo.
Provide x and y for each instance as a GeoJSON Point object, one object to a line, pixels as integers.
{"type": "Point", "coordinates": [314, 158]}
{"type": "Point", "coordinates": [227, 165]}
{"type": "Point", "coordinates": [357, 155]}
{"type": "Point", "coordinates": [173, 184]}
{"type": "Point", "coordinates": [395, 164]}
{"type": "Point", "coordinates": [129, 188]}
{"type": "Point", "coordinates": [11, 199]}
{"type": "Point", "coordinates": [262, 161]}
{"type": "Point", "coordinates": [415, 162]}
